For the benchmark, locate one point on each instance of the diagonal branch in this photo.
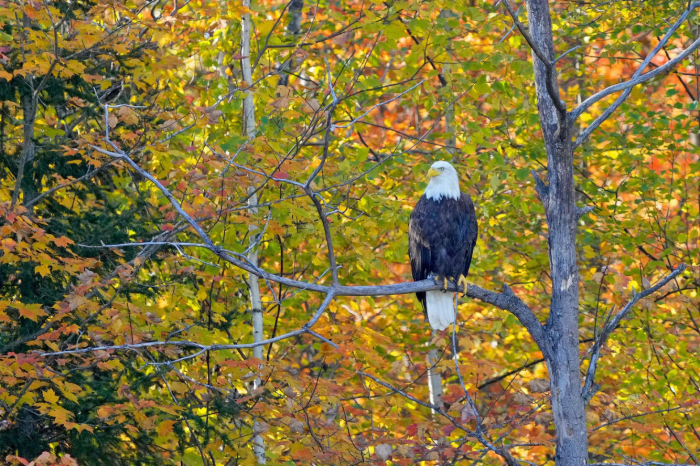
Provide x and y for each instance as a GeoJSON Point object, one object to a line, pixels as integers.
{"type": "Point", "coordinates": [637, 78]}
{"type": "Point", "coordinates": [85, 177]}
{"type": "Point", "coordinates": [550, 65]}
{"type": "Point", "coordinates": [589, 388]}
{"type": "Point", "coordinates": [478, 435]}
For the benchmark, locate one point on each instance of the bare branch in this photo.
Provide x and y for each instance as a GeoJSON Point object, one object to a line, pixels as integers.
{"type": "Point", "coordinates": [509, 301]}
{"type": "Point", "coordinates": [85, 177]}
{"type": "Point", "coordinates": [549, 64]}
{"type": "Point", "coordinates": [541, 188]}
{"type": "Point", "coordinates": [581, 211]}
{"type": "Point", "coordinates": [646, 463]}
{"type": "Point", "coordinates": [634, 416]}
{"type": "Point", "coordinates": [637, 78]}
{"type": "Point", "coordinates": [566, 53]}
{"type": "Point", "coordinates": [397, 96]}
{"type": "Point", "coordinates": [504, 453]}
{"type": "Point", "coordinates": [185, 344]}
{"type": "Point", "coordinates": [588, 387]}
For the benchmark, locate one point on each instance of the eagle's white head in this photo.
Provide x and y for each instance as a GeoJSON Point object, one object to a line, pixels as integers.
{"type": "Point", "coordinates": [444, 182]}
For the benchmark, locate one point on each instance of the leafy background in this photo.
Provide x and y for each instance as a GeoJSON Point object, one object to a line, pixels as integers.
{"type": "Point", "coordinates": [459, 71]}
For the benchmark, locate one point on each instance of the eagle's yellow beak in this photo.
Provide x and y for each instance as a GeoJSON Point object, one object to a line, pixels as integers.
{"type": "Point", "coordinates": [432, 172]}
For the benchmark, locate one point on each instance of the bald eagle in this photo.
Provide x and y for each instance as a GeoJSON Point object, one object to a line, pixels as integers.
{"type": "Point", "coordinates": [442, 234]}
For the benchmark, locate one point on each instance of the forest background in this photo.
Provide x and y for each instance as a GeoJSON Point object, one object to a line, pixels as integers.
{"type": "Point", "coordinates": [157, 157]}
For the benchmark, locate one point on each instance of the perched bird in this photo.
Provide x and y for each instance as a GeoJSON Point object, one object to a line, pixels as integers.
{"type": "Point", "coordinates": [442, 234]}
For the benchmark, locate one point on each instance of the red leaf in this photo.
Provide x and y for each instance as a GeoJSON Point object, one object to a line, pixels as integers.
{"type": "Point", "coordinates": [412, 429]}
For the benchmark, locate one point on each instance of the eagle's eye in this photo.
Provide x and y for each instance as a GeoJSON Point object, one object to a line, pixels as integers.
{"type": "Point", "coordinates": [442, 169]}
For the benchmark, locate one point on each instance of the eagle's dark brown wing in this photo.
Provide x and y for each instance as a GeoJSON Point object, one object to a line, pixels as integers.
{"type": "Point", "coordinates": [418, 247]}
{"type": "Point", "coordinates": [472, 230]}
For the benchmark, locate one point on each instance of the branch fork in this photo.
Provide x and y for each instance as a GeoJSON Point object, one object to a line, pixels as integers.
{"type": "Point", "coordinates": [590, 387]}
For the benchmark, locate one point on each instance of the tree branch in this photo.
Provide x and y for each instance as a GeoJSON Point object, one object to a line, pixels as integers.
{"type": "Point", "coordinates": [504, 453]}
{"type": "Point", "coordinates": [550, 65]}
{"type": "Point", "coordinates": [187, 344]}
{"type": "Point", "coordinates": [85, 177]}
{"type": "Point", "coordinates": [646, 463]}
{"type": "Point", "coordinates": [589, 387]}
{"type": "Point", "coordinates": [637, 78]}
{"type": "Point", "coordinates": [541, 188]}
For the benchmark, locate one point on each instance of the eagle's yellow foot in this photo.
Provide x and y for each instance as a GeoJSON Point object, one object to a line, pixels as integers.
{"type": "Point", "coordinates": [463, 281]}
{"type": "Point", "coordinates": [444, 280]}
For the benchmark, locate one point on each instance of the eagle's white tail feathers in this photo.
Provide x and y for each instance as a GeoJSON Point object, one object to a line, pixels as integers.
{"type": "Point", "coordinates": [441, 309]}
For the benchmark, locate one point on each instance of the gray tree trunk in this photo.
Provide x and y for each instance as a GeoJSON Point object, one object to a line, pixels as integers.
{"type": "Point", "coordinates": [24, 181]}
{"type": "Point", "coordinates": [561, 329]}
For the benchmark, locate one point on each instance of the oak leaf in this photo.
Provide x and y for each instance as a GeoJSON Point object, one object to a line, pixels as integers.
{"type": "Point", "coordinates": [539, 385]}
{"type": "Point", "coordinates": [544, 419]}
{"type": "Point", "coordinates": [296, 426]}
{"type": "Point", "coordinates": [383, 451]}
{"type": "Point", "coordinates": [260, 427]}
{"type": "Point", "coordinates": [522, 399]}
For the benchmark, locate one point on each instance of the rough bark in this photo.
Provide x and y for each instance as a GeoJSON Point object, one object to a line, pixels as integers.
{"type": "Point", "coordinates": [561, 330]}
{"type": "Point", "coordinates": [451, 140]}
{"type": "Point", "coordinates": [293, 29]}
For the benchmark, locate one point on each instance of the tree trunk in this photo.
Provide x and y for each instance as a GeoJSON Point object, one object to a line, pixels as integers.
{"type": "Point", "coordinates": [255, 303]}
{"type": "Point", "coordinates": [434, 379]}
{"type": "Point", "coordinates": [561, 353]}
{"type": "Point", "coordinates": [24, 182]}
{"type": "Point", "coordinates": [293, 29]}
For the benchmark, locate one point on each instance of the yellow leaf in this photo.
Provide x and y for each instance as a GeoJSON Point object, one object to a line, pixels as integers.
{"type": "Point", "coordinates": [50, 396]}
{"type": "Point", "coordinates": [43, 269]}
{"type": "Point", "coordinates": [69, 395]}
{"type": "Point", "coordinates": [82, 427]}
{"type": "Point", "coordinates": [51, 344]}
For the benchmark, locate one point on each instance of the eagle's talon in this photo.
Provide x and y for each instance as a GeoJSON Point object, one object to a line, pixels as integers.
{"type": "Point", "coordinates": [463, 281]}
{"type": "Point", "coordinates": [445, 285]}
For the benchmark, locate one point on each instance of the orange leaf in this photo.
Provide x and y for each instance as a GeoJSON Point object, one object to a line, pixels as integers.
{"type": "Point", "coordinates": [31, 311]}
{"type": "Point", "coordinates": [62, 241]}
{"type": "Point", "coordinates": [165, 428]}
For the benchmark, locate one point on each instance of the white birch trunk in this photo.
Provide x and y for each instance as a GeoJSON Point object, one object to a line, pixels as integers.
{"type": "Point", "coordinates": [248, 105]}
{"type": "Point", "coordinates": [434, 379]}
{"type": "Point", "coordinates": [249, 131]}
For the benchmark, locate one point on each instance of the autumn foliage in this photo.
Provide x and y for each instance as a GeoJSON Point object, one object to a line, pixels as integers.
{"type": "Point", "coordinates": [359, 99]}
